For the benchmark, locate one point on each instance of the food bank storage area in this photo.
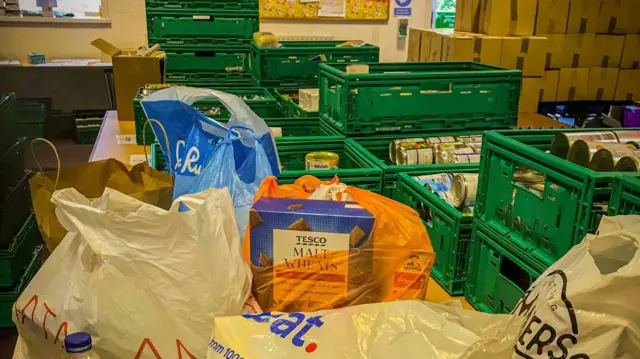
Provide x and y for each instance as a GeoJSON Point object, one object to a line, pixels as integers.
{"type": "Point", "coordinates": [329, 179]}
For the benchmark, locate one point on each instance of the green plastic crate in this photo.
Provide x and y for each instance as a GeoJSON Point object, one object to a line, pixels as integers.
{"type": "Point", "coordinates": [449, 231]}
{"type": "Point", "coordinates": [265, 107]}
{"type": "Point", "coordinates": [295, 64]}
{"type": "Point", "coordinates": [625, 197]}
{"type": "Point", "coordinates": [8, 298]}
{"type": "Point", "coordinates": [210, 79]}
{"type": "Point", "coordinates": [419, 96]}
{"type": "Point", "coordinates": [7, 108]}
{"type": "Point", "coordinates": [498, 278]}
{"type": "Point", "coordinates": [289, 106]}
{"type": "Point", "coordinates": [12, 164]}
{"type": "Point", "coordinates": [32, 111]}
{"type": "Point", "coordinates": [545, 225]}
{"type": "Point", "coordinates": [15, 258]}
{"type": "Point", "coordinates": [87, 129]}
{"type": "Point", "coordinates": [192, 33]}
{"type": "Point", "coordinates": [211, 68]}
{"type": "Point", "coordinates": [294, 131]}
{"type": "Point", "coordinates": [377, 150]}
{"type": "Point", "coordinates": [29, 130]}
{"type": "Point", "coordinates": [227, 8]}
{"type": "Point", "coordinates": [15, 209]}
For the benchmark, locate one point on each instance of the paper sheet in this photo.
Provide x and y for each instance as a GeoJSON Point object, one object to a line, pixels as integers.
{"type": "Point", "coordinates": [9, 63]}
{"type": "Point", "coordinates": [332, 8]}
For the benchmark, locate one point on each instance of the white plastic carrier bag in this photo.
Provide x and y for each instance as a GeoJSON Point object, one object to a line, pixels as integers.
{"type": "Point", "coordinates": [145, 282]}
{"type": "Point", "coordinates": [582, 307]}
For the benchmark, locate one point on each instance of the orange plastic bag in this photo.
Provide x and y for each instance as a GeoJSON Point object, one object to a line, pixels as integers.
{"type": "Point", "coordinates": [394, 263]}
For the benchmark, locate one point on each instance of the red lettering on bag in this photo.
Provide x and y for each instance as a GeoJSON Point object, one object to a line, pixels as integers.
{"type": "Point", "coordinates": [44, 322]}
{"type": "Point", "coordinates": [64, 325]}
{"type": "Point", "coordinates": [180, 347]}
{"type": "Point", "coordinates": [153, 349]}
{"type": "Point", "coordinates": [33, 299]}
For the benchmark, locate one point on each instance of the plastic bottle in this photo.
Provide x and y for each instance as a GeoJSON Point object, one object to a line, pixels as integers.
{"type": "Point", "coordinates": [79, 346]}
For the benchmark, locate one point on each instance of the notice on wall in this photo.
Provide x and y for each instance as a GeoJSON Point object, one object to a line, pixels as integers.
{"type": "Point", "coordinates": [332, 8]}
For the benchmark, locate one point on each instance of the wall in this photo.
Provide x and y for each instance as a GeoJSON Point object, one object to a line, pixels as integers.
{"type": "Point", "coordinates": [128, 30]}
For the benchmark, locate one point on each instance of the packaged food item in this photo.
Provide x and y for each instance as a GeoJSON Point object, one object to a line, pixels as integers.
{"type": "Point", "coordinates": [632, 137]}
{"type": "Point", "coordinates": [321, 161]}
{"type": "Point", "coordinates": [582, 152]}
{"type": "Point", "coordinates": [266, 39]}
{"type": "Point", "coordinates": [352, 43]}
{"type": "Point", "coordinates": [276, 131]}
{"type": "Point", "coordinates": [394, 146]}
{"type": "Point", "coordinates": [563, 141]}
{"type": "Point", "coordinates": [415, 154]}
{"type": "Point", "coordinates": [628, 164]}
{"type": "Point", "coordinates": [605, 159]}
{"type": "Point", "coordinates": [442, 139]}
{"type": "Point", "coordinates": [464, 188]}
{"type": "Point", "coordinates": [309, 99]}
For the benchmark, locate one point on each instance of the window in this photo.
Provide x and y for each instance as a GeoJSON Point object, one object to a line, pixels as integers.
{"type": "Point", "coordinates": [79, 8]}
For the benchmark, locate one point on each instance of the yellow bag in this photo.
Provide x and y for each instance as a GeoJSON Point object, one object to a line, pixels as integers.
{"type": "Point", "coordinates": [140, 182]}
{"type": "Point", "coordinates": [394, 263]}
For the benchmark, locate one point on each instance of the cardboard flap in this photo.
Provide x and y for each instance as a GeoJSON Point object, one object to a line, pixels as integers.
{"type": "Point", "coordinates": [106, 47]}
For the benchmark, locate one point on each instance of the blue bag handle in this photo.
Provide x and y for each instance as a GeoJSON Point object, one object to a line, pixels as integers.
{"type": "Point", "coordinates": [241, 127]}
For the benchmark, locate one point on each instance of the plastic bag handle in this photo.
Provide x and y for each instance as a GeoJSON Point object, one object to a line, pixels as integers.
{"type": "Point", "coordinates": [242, 127]}
{"type": "Point", "coordinates": [55, 152]}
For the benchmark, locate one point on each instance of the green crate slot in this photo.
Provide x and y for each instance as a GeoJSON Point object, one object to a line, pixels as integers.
{"type": "Point", "coordinates": [32, 111]}
{"type": "Point", "coordinates": [545, 225]}
{"type": "Point", "coordinates": [15, 209]}
{"type": "Point", "coordinates": [15, 258]}
{"type": "Point", "coordinates": [449, 231]}
{"type": "Point", "coordinates": [7, 107]}
{"type": "Point", "coordinates": [12, 164]}
{"type": "Point", "coordinates": [625, 197]}
{"type": "Point", "coordinates": [295, 65]}
{"type": "Point", "coordinates": [419, 96]}
{"type": "Point", "coordinates": [233, 8]}
{"type": "Point", "coordinates": [87, 129]}
{"type": "Point", "coordinates": [212, 61]}
{"type": "Point", "coordinates": [8, 298]}
{"type": "Point", "coordinates": [498, 278]}
{"type": "Point", "coordinates": [265, 107]}
{"type": "Point", "coordinates": [188, 33]}
{"type": "Point", "coordinates": [290, 106]}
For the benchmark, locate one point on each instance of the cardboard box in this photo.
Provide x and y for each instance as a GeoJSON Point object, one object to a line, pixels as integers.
{"type": "Point", "coordinates": [555, 50]}
{"type": "Point", "coordinates": [572, 85]}
{"type": "Point", "coordinates": [613, 17]}
{"type": "Point", "coordinates": [607, 51]}
{"type": "Point", "coordinates": [487, 49]}
{"type": "Point", "coordinates": [530, 94]}
{"type": "Point", "coordinates": [628, 87]}
{"type": "Point", "coordinates": [552, 16]}
{"type": "Point", "coordinates": [425, 45]}
{"type": "Point", "coordinates": [632, 23]}
{"type": "Point", "coordinates": [631, 52]}
{"type": "Point", "coordinates": [583, 16]}
{"type": "Point", "coordinates": [295, 239]}
{"type": "Point", "coordinates": [602, 82]}
{"type": "Point", "coordinates": [509, 17]}
{"type": "Point", "coordinates": [468, 14]}
{"type": "Point", "coordinates": [524, 53]}
{"type": "Point", "coordinates": [131, 72]}
{"type": "Point", "coordinates": [415, 40]}
{"type": "Point", "coordinates": [436, 49]}
{"type": "Point", "coordinates": [577, 50]}
{"type": "Point", "coordinates": [457, 48]}
{"type": "Point", "coordinates": [309, 99]}
{"type": "Point", "coordinates": [549, 90]}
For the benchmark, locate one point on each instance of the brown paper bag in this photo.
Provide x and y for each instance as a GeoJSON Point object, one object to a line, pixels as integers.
{"type": "Point", "coordinates": [140, 182]}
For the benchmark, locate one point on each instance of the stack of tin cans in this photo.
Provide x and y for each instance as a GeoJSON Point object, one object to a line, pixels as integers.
{"type": "Point", "coordinates": [435, 150]}
{"type": "Point", "coordinates": [604, 151]}
{"type": "Point", "coordinates": [457, 189]}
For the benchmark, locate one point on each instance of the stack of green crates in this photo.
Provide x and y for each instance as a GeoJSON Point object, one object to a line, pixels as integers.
{"type": "Point", "coordinates": [87, 129]}
{"type": "Point", "coordinates": [7, 107]}
{"type": "Point", "coordinates": [289, 106]}
{"type": "Point", "coordinates": [259, 100]}
{"type": "Point", "coordinates": [207, 42]}
{"type": "Point", "coordinates": [519, 232]}
{"type": "Point", "coordinates": [30, 116]}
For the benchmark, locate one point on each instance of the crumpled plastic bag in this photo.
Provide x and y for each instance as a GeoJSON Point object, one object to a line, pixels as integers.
{"type": "Point", "coordinates": [582, 307]}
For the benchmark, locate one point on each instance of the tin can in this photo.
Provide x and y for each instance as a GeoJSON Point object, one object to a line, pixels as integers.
{"type": "Point", "coordinates": [564, 140]}
{"type": "Point", "coordinates": [395, 145]}
{"type": "Point", "coordinates": [442, 139]}
{"type": "Point", "coordinates": [632, 137]}
{"type": "Point", "coordinates": [475, 139]}
{"type": "Point", "coordinates": [476, 147]}
{"type": "Point", "coordinates": [464, 187]}
{"type": "Point", "coordinates": [440, 182]}
{"type": "Point", "coordinates": [450, 157]}
{"type": "Point", "coordinates": [321, 161]}
{"type": "Point", "coordinates": [628, 164]}
{"type": "Point", "coordinates": [528, 177]}
{"type": "Point", "coordinates": [415, 154]}
{"type": "Point", "coordinates": [582, 152]}
{"type": "Point", "coordinates": [604, 160]}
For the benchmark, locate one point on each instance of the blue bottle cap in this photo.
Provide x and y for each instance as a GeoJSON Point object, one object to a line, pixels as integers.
{"type": "Point", "coordinates": [77, 342]}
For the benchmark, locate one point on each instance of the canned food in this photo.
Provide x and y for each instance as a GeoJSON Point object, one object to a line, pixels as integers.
{"type": "Point", "coordinates": [604, 160]}
{"type": "Point", "coordinates": [415, 154]}
{"type": "Point", "coordinates": [449, 157]}
{"type": "Point", "coordinates": [321, 161]}
{"type": "Point", "coordinates": [582, 152]}
{"type": "Point", "coordinates": [476, 147]}
{"type": "Point", "coordinates": [628, 164]}
{"type": "Point", "coordinates": [464, 187]}
{"type": "Point", "coordinates": [467, 211]}
{"type": "Point", "coordinates": [564, 140]}
{"type": "Point", "coordinates": [442, 139]}
{"type": "Point", "coordinates": [476, 139]}
{"type": "Point", "coordinates": [528, 176]}
{"type": "Point", "coordinates": [459, 147]}
{"type": "Point", "coordinates": [395, 145]}
{"type": "Point", "coordinates": [440, 182]}
{"type": "Point", "coordinates": [632, 137]}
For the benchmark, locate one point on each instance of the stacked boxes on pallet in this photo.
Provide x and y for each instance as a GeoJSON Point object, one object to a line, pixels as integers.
{"type": "Point", "coordinates": [19, 235]}
{"type": "Point", "coordinates": [520, 230]}
{"type": "Point", "coordinates": [207, 42]}
{"type": "Point", "coordinates": [581, 50]}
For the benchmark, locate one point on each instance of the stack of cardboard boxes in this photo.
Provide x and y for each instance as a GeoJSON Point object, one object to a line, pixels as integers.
{"type": "Point", "coordinates": [568, 50]}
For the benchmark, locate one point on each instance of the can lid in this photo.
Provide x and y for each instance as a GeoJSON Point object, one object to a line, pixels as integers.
{"type": "Point", "coordinates": [78, 342]}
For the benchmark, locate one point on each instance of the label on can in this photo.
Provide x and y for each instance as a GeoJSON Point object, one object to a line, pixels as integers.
{"type": "Point", "coordinates": [321, 161]}
{"type": "Point", "coordinates": [440, 182]}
